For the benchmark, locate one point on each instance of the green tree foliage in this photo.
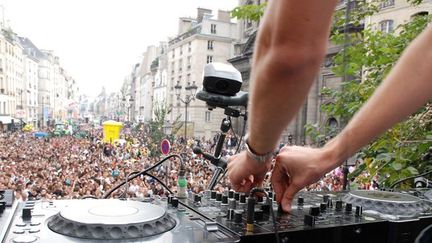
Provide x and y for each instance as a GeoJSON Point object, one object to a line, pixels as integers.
{"type": "Point", "coordinates": [368, 60]}
{"type": "Point", "coordinates": [156, 126]}
{"type": "Point", "coordinates": [251, 12]}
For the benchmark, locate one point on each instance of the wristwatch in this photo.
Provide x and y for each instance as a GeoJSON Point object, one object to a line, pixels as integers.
{"type": "Point", "coordinates": [260, 158]}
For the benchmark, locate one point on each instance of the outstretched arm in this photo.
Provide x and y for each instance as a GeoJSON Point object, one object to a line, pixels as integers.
{"type": "Point", "coordinates": [405, 89]}
{"type": "Point", "coordinates": [290, 46]}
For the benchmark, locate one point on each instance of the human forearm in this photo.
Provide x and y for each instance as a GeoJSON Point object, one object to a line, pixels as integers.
{"type": "Point", "coordinates": [289, 49]}
{"type": "Point", "coordinates": [406, 88]}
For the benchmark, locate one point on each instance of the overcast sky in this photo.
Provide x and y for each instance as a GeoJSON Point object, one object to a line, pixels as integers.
{"type": "Point", "coordinates": [98, 41]}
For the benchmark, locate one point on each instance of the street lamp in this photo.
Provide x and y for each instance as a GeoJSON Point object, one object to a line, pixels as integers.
{"type": "Point", "coordinates": [129, 105]}
{"type": "Point", "coordinates": [190, 95]}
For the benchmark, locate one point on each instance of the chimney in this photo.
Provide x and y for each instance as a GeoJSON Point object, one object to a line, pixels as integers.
{"type": "Point", "coordinates": [185, 24]}
{"type": "Point", "coordinates": [224, 16]}
{"type": "Point", "coordinates": [201, 12]}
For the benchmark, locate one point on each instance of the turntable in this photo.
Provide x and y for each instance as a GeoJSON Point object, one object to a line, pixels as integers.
{"type": "Point", "coordinates": [111, 219]}
{"type": "Point", "coordinates": [394, 205]}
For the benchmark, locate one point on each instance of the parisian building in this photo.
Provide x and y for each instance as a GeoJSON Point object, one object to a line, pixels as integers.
{"type": "Point", "coordinates": [392, 13]}
{"type": "Point", "coordinates": [201, 40]}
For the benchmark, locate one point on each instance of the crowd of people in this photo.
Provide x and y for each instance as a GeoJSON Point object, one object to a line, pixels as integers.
{"type": "Point", "coordinates": [70, 167]}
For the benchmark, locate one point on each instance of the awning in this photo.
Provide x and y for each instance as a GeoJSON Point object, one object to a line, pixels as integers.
{"type": "Point", "coordinates": [8, 120]}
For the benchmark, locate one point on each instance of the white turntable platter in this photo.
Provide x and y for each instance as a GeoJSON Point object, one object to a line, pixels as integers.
{"type": "Point", "coordinates": [112, 212]}
{"type": "Point", "coordinates": [111, 219]}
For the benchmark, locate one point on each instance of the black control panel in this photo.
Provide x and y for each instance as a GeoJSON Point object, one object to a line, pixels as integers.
{"type": "Point", "coordinates": [319, 217]}
{"type": "Point", "coordinates": [358, 216]}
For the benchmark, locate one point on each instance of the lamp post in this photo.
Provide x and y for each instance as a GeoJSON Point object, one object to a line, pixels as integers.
{"type": "Point", "coordinates": [190, 95]}
{"type": "Point", "coordinates": [129, 105]}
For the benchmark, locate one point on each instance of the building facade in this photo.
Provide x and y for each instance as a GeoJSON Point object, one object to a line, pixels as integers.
{"type": "Point", "coordinates": [396, 12]}
{"type": "Point", "coordinates": [200, 40]}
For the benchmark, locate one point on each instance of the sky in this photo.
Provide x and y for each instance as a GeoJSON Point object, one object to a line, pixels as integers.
{"type": "Point", "coordinates": [99, 41]}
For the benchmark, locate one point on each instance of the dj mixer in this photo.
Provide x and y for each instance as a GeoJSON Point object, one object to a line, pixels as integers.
{"type": "Point", "coordinates": [356, 216]}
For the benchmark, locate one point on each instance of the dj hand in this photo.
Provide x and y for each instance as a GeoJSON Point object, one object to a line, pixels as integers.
{"type": "Point", "coordinates": [295, 168]}
{"type": "Point", "coordinates": [246, 173]}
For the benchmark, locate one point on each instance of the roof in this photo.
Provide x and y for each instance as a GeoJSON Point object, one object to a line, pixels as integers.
{"type": "Point", "coordinates": [30, 48]}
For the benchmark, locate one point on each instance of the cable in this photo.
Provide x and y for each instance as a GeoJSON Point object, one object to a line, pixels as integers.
{"type": "Point", "coordinates": [160, 182]}
{"type": "Point", "coordinates": [142, 173]}
{"type": "Point", "coordinates": [252, 193]}
{"type": "Point", "coordinates": [408, 178]}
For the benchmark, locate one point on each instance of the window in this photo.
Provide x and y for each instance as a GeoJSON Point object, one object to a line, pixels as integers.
{"type": "Point", "coordinates": [173, 53]}
{"type": "Point", "coordinates": [172, 67]}
{"type": "Point", "coordinates": [207, 116]}
{"type": "Point", "coordinates": [387, 3]}
{"type": "Point", "coordinates": [190, 47]}
{"type": "Point", "coordinates": [420, 14]}
{"type": "Point", "coordinates": [181, 50]}
{"type": "Point", "coordinates": [213, 28]}
{"type": "Point", "coordinates": [180, 65]}
{"type": "Point", "coordinates": [209, 59]}
{"type": "Point", "coordinates": [210, 45]}
{"type": "Point", "coordinates": [386, 26]}
{"type": "Point", "coordinates": [189, 62]}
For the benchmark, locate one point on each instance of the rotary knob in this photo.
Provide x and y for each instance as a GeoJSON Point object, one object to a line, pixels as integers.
{"type": "Point", "coordinates": [314, 211]}
{"type": "Point", "coordinates": [224, 199]}
{"type": "Point", "coordinates": [242, 198]}
{"type": "Point", "coordinates": [218, 197]}
{"type": "Point", "coordinates": [348, 208]}
{"type": "Point", "coordinates": [230, 194]}
{"type": "Point", "coordinates": [323, 207]}
{"type": "Point", "coordinates": [169, 199]}
{"type": "Point", "coordinates": [359, 211]}
{"type": "Point", "coordinates": [339, 205]}
{"type": "Point", "coordinates": [326, 198]}
{"type": "Point", "coordinates": [237, 196]}
{"type": "Point", "coordinates": [26, 213]}
{"type": "Point", "coordinates": [300, 201]}
{"type": "Point", "coordinates": [197, 198]}
{"type": "Point", "coordinates": [213, 195]}
{"type": "Point", "coordinates": [238, 217]}
{"type": "Point", "coordinates": [174, 202]}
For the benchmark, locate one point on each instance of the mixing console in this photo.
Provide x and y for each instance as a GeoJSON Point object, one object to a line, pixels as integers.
{"type": "Point", "coordinates": [358, 216]}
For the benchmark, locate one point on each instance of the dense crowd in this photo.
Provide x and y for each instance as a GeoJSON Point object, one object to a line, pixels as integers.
{"type": "Point", "coordinates": [70, 167]}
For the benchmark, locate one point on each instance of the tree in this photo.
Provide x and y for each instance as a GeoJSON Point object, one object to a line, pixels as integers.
{"type": "Point", "coordinates": [366, 58]}
{"type": "Point", "coordinates": [251, 12]}
{"type": "Point", "coordinates": [157, 127]}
